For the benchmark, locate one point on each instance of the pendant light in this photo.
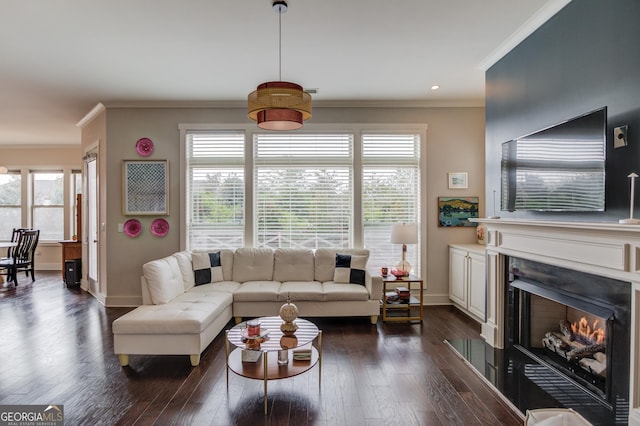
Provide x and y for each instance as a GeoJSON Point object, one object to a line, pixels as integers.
{"type": "Point", "coordinates": [279, 105]}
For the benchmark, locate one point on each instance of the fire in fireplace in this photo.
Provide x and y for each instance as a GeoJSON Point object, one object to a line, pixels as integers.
{"type": "Point", "coordinates": [581, 342]}
{"type": "Point", "coordinates": [576, 343]}
{"type": "Point", "coordinates": [575, 323]}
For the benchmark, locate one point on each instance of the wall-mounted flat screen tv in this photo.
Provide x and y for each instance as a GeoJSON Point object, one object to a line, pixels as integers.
{"type": "Point", "coordinates": [560, 168]}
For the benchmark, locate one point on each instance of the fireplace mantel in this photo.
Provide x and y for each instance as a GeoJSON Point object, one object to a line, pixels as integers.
{"type": "Point", "coordinates": [602, 248]}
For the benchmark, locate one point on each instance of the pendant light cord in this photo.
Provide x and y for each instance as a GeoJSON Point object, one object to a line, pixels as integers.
{"type": "Point", "coordinates": [280, 44]}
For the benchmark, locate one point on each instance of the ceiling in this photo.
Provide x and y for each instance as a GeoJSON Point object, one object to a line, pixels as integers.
{"type": "Point", "coordinates": [60, 58]}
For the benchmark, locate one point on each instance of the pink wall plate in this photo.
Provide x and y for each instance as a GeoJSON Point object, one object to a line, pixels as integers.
{"type": "Point", "coordinates": [159, 227]}
{"type": "Point", "coordinates": [132, 228]}
{"type": "Point", "coordinates": [144, 147]}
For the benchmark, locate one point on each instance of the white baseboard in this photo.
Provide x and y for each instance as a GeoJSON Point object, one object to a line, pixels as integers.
{"type": "Point", "coordinates": [48, 267]}
{"type": "Point", "coordinates": [436, 299]}
{"type": "Point", "coordinates": [123, 301]}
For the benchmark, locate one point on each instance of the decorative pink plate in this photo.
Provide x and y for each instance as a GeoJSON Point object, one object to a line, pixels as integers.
{"type": "Point", "coordinates": [132, 228]}
{"type": "Point", "coordinates": [144, 146]}
{"type": "Point", "coordinates": [159, 227]}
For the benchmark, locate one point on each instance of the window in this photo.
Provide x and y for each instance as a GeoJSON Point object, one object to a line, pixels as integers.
{"type": "Point", "coordinates": [10, 203]}
{"type": "Point", "coordinates": [48, 204]}
{"type": "Point", "coordinates": [215, 188]}
{"type": "Point", "coordinates": [303, 190]}
{"type": "Point", "coordinates": [390, 194]}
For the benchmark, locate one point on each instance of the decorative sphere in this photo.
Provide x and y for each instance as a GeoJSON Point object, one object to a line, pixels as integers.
{"type": "Point", "coordinates": [288, 312]}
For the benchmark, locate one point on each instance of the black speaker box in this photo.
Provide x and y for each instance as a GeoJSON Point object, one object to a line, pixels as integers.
{"type": "Point", "coordinates": [72, 272]}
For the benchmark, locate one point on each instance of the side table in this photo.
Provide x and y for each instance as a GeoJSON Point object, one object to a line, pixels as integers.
{"type": "Point", "coordinates": [391, 282]}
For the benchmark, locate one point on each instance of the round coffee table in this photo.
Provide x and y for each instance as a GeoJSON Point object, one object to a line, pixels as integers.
{"type": "Point", "coordinates": [273, 351]}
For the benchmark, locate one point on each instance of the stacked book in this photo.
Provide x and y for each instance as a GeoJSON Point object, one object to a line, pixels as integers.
{"type": "Point", "coordinates": [403, 294]}
{"type": "Point", "coordinates": [391, 296]}
{"type": "Point", "coordinates": [303, 353]}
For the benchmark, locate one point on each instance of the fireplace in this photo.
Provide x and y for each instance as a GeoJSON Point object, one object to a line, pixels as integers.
{"type": "Point", "coordinates": [574, 323]}
{"type": "Point", "coordinates": [596, 266]}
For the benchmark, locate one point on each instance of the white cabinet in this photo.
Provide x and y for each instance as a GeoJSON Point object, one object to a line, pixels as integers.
{"type": "Point", "coordinates": [467, 289]}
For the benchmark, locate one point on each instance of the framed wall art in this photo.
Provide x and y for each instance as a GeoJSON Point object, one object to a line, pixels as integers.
{"type": "Point", "coordinates": [454, 211]}
{"type": "Point", "coordinates": [458, 180]}
{"type": "Point", "coordinates": [145, 187]}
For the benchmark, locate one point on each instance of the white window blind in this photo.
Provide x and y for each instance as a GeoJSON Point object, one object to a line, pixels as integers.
{"type": "Point", "coordinates": [303, 190]}
{"type": "Point", "coordinates": [48, 204]}
{"type": "Point", "coordinates": [215, 188]}
{"type": "Point", "coordinates": [10, 204]}
{"type": "Point", "coordinates": [390, 194]}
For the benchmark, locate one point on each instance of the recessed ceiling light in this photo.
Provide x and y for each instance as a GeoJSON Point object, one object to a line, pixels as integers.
{"type": "Point", "coordinates": [435, 87]}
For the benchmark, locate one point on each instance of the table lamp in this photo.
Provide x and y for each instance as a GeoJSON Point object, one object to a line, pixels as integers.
{"type": "Point", "coordinates": [404, 233]}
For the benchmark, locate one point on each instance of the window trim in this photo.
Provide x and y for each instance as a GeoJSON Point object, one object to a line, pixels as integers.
{"type": "Point", "coordinates": [355, 128]}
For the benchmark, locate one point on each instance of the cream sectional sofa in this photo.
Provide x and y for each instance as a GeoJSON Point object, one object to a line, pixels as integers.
{"type": "Point", "coordinates": [179, 317]}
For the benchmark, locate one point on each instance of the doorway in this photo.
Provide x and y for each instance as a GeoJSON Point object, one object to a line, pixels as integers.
{"type": "Point", "coordinates": [91, 239]}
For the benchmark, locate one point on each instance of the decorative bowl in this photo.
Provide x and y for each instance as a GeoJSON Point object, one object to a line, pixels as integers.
{"type": "Point", "coordinates": [399, 273]}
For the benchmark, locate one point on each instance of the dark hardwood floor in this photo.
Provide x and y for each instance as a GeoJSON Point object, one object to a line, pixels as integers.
{"type": "Point", "coordinates": [57, 348]}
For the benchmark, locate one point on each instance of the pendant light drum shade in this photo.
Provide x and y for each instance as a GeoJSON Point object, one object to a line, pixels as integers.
{"type": "Point", "coordinates": [279, 105]}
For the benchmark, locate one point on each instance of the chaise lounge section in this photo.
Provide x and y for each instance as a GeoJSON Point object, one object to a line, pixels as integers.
{"type": "Point", "coordinates": [189, 298]}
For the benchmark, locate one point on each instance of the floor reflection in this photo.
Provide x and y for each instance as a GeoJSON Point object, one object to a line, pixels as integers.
{"type": "Point", "coordinates": [529, 385]}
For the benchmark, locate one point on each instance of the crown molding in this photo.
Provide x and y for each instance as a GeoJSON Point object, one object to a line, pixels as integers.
{"type": "Point", "coordinates": [447, 103]}
{"type": "Point", "coordinates": [91, 114]}
{"type": "Point", "coordinates": [525, 30]}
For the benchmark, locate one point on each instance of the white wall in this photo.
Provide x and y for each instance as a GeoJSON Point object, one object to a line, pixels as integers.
{"type": "Point", "coordinates": [455, 142]}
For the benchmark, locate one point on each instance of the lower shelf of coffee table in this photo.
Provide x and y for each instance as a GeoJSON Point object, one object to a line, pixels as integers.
{"type": "Point", "coordinates": [255, 370]}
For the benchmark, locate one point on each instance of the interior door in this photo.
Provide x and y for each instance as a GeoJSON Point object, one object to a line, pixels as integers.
{"type": "Point", "coordinates": [91, 239]}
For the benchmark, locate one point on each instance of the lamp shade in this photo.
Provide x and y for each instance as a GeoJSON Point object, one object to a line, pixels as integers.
{"type": "Point", "coordinates": [279, 105]}
{"type": "Point", "coordinates": [404, 233]}
{"type": "Point", "coordinates": [3, 170]}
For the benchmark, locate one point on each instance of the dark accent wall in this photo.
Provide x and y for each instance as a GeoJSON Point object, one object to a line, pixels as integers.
{"type": "Point", "coordinates": [585, 57]}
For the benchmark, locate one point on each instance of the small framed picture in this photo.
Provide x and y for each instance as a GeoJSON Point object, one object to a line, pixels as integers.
{"type": "Point", "coordinates": [458, 180]}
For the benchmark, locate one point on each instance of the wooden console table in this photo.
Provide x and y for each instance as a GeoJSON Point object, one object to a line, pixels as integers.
{"type": "Point", "coordinates": [71, 249]}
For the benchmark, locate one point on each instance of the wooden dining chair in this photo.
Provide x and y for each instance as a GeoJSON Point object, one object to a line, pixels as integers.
{"type": "Point", "coordinates": [22, 256]}
{"type": "Point", "coordinates": [15, 235]}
